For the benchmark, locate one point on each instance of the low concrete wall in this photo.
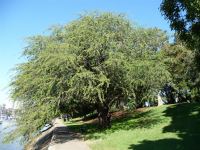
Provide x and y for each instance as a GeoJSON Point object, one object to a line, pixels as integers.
{"type": "Point", "coordinates": [43, 141]}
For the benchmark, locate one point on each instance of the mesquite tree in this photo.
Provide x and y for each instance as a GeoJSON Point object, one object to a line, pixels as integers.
{"type": "Point", "coordinates": [95, 61]}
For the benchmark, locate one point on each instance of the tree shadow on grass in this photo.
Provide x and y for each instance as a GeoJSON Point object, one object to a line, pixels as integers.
{"type": "Point", "coordinates": [185, 124]}
{"type": "Point", "coordinates": [128, 122]}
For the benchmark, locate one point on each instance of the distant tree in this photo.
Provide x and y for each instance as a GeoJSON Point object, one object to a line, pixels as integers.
{"type": "Point", "coordinates": [179, 60]}
{"type": "Point", "coordinates": [180, 63]}
{"type": "Point", "coordinates": [89, 64]}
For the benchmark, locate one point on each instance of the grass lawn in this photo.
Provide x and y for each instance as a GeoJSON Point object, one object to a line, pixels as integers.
{"type": "Point", "coordinates": [169, 127]}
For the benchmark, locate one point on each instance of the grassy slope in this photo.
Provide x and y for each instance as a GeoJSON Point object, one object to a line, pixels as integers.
{"type": "Point", "coordinates": [172, 127]}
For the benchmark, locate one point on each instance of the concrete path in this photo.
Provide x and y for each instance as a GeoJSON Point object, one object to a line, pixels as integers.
{"type": "Point", "coordinates": [63, 139]}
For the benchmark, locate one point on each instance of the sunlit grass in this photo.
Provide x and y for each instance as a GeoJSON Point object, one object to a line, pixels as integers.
{"type": "Point", "coordinates": [159, 128]}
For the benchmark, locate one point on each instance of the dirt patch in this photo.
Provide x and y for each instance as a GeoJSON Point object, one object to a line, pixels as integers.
{"type": "Point", "coordinates": [114, 115]}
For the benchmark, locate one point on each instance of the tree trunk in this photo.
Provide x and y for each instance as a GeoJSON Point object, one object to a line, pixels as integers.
{"type": "Point", "coordinates": [104, 116]}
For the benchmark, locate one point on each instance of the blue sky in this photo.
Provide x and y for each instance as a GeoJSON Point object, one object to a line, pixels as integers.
{"type": "Point", "coordinates": [22, 18]}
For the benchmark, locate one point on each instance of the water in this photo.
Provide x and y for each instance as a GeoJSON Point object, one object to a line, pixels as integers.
{"type": "Point", "coordinates": [6, 127]}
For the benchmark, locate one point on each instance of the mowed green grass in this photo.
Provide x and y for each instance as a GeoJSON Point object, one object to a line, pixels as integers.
{"type": "Point", "coordinates": [168, 127]}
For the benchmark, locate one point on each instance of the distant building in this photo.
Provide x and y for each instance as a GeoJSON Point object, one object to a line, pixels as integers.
{"type": "Point", "coordinates": [7, 113]}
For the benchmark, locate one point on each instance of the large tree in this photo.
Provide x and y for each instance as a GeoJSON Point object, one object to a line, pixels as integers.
{"type": "Point", "coordinates": [93, 62]}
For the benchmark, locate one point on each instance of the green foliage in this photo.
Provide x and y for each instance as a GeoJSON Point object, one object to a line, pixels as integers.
{"type": "Point", "coordinates": [95, 61]}
{"type": "Point", "coordinates": [184, 17]}
{"type": "Point", "coordinates": [180, 63]}
{"type": "Point", "coordinates": [146, 78]}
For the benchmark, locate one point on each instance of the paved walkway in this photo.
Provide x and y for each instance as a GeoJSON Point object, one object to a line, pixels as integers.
{"type": "Point", "coordinates": [63, 139]}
